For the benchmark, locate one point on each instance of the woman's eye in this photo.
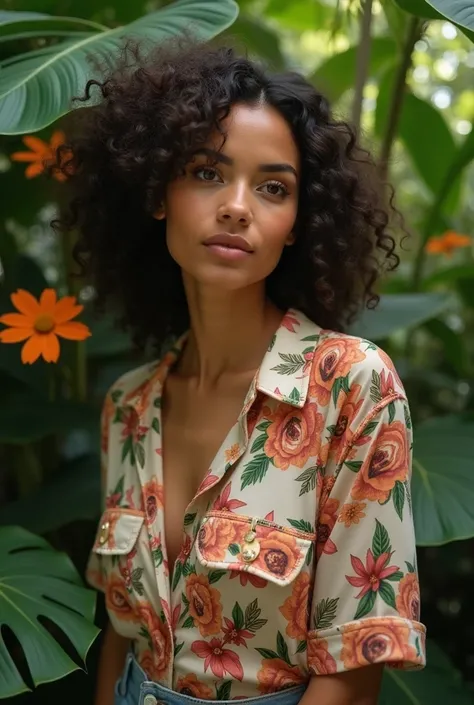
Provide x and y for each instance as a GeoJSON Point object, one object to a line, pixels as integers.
{"type": "Point", "coordinates": [276, 188]}
{"type": "Point", "coordinates": [205, 173]}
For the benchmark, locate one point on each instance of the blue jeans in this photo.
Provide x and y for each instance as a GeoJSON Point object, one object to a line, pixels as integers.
{"type": "Point", "coordinates": [133, 688]}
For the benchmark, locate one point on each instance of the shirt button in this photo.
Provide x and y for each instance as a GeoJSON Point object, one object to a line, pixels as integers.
{"type": "Point", "coordinates": [150, 700]}
{"type": "Point", "coordinates": [104, 532]}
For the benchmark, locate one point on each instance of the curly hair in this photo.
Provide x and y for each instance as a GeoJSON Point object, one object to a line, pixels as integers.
{"type": "Point", "coordinates": [151, 115]}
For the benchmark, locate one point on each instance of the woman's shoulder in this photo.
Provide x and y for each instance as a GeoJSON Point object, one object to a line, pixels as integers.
{"type": "Point", "coordinates": [132, 384]}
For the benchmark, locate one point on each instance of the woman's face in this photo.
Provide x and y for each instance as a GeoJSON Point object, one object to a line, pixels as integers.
{"type": "Point", "coordinates": [232, 213]}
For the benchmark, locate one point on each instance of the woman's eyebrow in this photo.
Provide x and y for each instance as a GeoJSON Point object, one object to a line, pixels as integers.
{"type": "Point", "coordinates": [219, 157]}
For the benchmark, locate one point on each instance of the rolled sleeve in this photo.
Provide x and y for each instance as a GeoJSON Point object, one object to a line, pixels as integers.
{"type": "Point", "coordinates": [366, 602]}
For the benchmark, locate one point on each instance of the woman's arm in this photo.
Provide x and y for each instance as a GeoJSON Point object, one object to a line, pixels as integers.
{"type": "Point", "coordinates": [358, 687]}
{"type": "Point", "coordinates": [112, 659]}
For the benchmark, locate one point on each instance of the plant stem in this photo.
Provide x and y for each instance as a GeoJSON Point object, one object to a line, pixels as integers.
{"type": "Point", "coordinates": [362, 63]}
{"type": "Point", "coordinates": [398, 95]}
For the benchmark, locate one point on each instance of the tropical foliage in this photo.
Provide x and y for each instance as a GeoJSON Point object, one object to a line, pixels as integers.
{"type": "Point", "coordinates": [401, 70]}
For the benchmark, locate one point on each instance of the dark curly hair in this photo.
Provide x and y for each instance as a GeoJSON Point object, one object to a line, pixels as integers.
{"type": "Point", "coordinates": [151, 116]}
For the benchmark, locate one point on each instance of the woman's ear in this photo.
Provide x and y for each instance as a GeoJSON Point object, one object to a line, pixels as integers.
{"type": "Point", "coordinates": [290, 240]}
{"type": "Point", "coordinates": [160, 213]}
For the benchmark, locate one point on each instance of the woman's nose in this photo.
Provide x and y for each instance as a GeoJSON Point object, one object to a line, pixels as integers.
{"type": "Point", "coordinates": [236, 209]}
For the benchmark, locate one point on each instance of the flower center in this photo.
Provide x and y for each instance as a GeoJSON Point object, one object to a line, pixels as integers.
{"type": "Point", "coordinates": [373, 579]}
{"type": "Point", "coordinates": [44, 323]}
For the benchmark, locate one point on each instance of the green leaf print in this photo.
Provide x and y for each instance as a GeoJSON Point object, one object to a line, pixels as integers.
{"type": "Point", "coordinates": [407, 416]}
{"type": "Point", "coordinates": [189, 518]}
{"type": "Point", "coordinates": [309, 556]}
{"type": "Point", "coordinates": [157, 556]}
{"type": "Point", "coordinates": [395, 577]}
{"type": "Point", "coordinates": [302, 646]}
{"type": "Point", "coordinates": [116, 394]}
{"type": "Point", "coordinates": [216, 575]}
{"type": "Point", "coordinates": [188, 623]}
{"type": "Point", "coordinates": [282, 649]}
{"type": "Point", "coordinates": [136, 581]}
{"type": "Point", "coordinates": [308, 479]}
{"type": "Point", "coordinates": [301, 525]}
{"type": "Point", "coordinates": [325, 613]}
{"type": "Point", "coordinates": [340, 384]}
{"type": "Point", "coordinates": [291, 364]}
{"type": "Point", "coordinates": [255, 470]}
{"type": "Point", "coordinates": [127, 449]}
{"type": "Point", "coordinates": [223, 690]}
{"type": "Point", "coordinates": [375, 393]}
{"type": "Point", "coordinates": [178, 571]}
{"type": "Point", "coordinates": [410, 567]}
{"type": "Point", "coordinates": [189, 568]}
{"type": "Point", "coordinates": [140, 453]}
{"type": "Point", "coordinates": [263, 425]}
{"type": "Point", "coordinates": [259, 443]}
{"type": "Point", "coordinates": [155, 424]}
{"type": "Point", "coordinates": [238, 616]}
{"type": "Point", "coordinates": [398, 496]}
{"type": "Point", "coordinates": [391, 411]}
{"type": "Point", "coordinates": [365, 605]}
{"type": "Point", "coordinates": [353, 465]}
{"type": "Point", "coordinates": [178, 648]}
{"type": "Point", "coordinates": [380, 541]}
{"type": "Point", "coordinates": [267, 653]}
{"type": "Point", "coordinates": [234, 549]}
{"type": "Point", "coordinates": [387, 593]}
{"type": "Point", "coordinates": [295, 395]}
{"type": "Point", "coordinates": [369, 428]}
{"type": "Point", "coordinates": [310, 338]}
{"type": "Point", "coordinates": [252, 617]}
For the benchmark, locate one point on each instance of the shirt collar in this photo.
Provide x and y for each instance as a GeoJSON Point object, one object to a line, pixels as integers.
{"type": "Point", "coordinates": [283, 375]}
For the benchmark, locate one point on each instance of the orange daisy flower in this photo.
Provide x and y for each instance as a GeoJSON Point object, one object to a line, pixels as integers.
{"type": "Point", "coordinates": [40, 323]}
{"type": "Point", "coordinates": [42, 155]}
{"type": "Point", "coordinates": [447, 243]}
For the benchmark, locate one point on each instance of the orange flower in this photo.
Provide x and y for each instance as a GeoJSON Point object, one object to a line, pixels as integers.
{"type": "Point", "coordinates": [44, 155]}
{"type": "Point", "coordinates": [152, 493]}
{"type": "Point", "coordinates": [343, 433]}
{"type": "Point", "coordinates": [332, 359]}
{"type": "Point", "coordinates": [40, 323]}
{"type": "Point", "coordinates": [320, 660]}
{"type": "Point", "coordinates": [204, 604]}
{"type": "Point", "coordinates": [294, 435]}
{"type": "Point", "coordinates": [190, 685]}
{"type": "Point", "coordinates": [275, 675]}
{"type": "Point", "coordinates": [408, 598]}
{"type": "Point", "coordinates": [447, 243]}
{"type": "Point", "coordinates": [326, 521]}
{"type": "Point", "coordinates": [279, 554]}
{"type": "Point", "coordinates": [384, 465]}
{"type": "Point", "coordinates": [295, 608]}
{"type": "Point", "coordinates": [214, 538]}
{"type": "Point", "coordinates": [160, 638]}
{"type": "Point", "coordinates": [352, 513]}
{"type": "Point", "coordinates": [118, 601]}
{"type": "Point", "coordinates": [232, 453]}
{"type": "Point", "coordinates": [376, 640]}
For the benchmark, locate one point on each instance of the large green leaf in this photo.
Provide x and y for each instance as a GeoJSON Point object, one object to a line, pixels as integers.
{"type": "Point", "coordinates": [23, 25]}
{"type": "Point", "coordinates": [73, 494]}
{"type": "Point", "coordinates": [337, 74]}
{"type": "Point", "coordinates": [259, 38]}
{"type": "Point", "coordinates": [398, 311]}
{"type": "Point", "coordinates": [448, 276]}
{"type": "Point", "coordinates": [437, 684]}
{"type": "Point", "coordinates": [38, 582]}
{"type": "Point", "coordinates": [36, 88]}
{"type": "Point", "coordinates": [300, 15]}
{"type": "Point", "coordinates": [453, 344]}
{"type": "Point", "coordinates": [460, 12]}
{"type": "Point", "coordinates": [442, 486]}
{"type": "Point", "coordinates": [421, 126]}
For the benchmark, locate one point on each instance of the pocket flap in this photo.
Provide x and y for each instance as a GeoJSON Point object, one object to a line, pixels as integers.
{"type": "Point", "coordinates": [118, 531]}
{"type": "Point", "coordinates": [280, 551]}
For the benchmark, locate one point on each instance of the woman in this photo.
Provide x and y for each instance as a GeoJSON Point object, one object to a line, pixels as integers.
{"type": "Point", "coordinates": [257, 538]}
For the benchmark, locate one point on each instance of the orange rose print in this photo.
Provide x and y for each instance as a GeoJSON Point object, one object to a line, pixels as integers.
{"type": "Point", "coordinates": [376, 640]}
{"type": "Point", "coordinates": [204, 604]}
{"type": "Point", "coordinates": [159, 637]}
{"type": "Point", "coordinates": [117, 600]}
{"type": "Point", "coordinates": [390, 367]}
{"type": "Point", "coordinates": [279, 553]}
{"type": "Point", "coordinates": [295, 608]}
{"type": "Point", "coordinates": [408, 598]}
{"type": "Point", "coordinates": [320, 660]}
{"type": "Point", "coordinates": [275, 674]}
{"type": "Point", "coordinates": [352, 513]}
{"type": "Point", "coordinates": [343, 433]}
{"type": "Point", "coordinates": [146, 662]}
{"type": "Point", "coordinates": [326, 522]}
{"type": "Point", "coordinates": [384, 465]}
{"type": "Point", "coordinates": [294, 435]}
{"type": "Point", "coordinates": [153, 499]}
{"type": "Point", "coordinates": [190, 685]}
{"type": "Point", "coordinates": [334, 356]}
{"type": "Point", "coordinates": [214, 537]}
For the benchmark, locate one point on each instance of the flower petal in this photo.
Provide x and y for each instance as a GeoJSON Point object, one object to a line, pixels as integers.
{"type": "Point", "coordinates": [50, 347]}
{"type": "Point", "coordinates": [66, 309]}
{"type": "Point", "coordinates": [25, 303]}
{"type": "Point", "coordinates": [48, 300]}
{"type": "Point", "coordinates": [231, 663]}
{"type": "Point", "coordinates": [31, 350]}
{"type": "Point", "coordinates": [34, 169]}
{"type": "Point", "coordinates": [73, 330]}
{"type": "Point", "coordinates": [36, 144]}
{"type": "Point", "coordinates": [17, 320]}
{"type": "Point", "coordinates": [15, 335]}
{"type": "Point", "coordinates": [358, 566]}
{"type": "Point", "coordinates": [201, 649]}
{"type": "Point", "coordinates": [370, 562]}
{"type": "Point", "coordinates": [356, 582]}
{"type": "Point", "coordinates": [23, 157]}
{"type": "Point", "coordinates": [58, 138]}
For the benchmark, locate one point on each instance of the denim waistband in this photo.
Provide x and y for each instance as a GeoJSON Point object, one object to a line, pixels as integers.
{"type": "Point", "coordinates": [133, 688]}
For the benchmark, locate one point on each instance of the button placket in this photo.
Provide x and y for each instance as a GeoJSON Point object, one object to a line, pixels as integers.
{"type": "Point", "coordinates": [251, 547]}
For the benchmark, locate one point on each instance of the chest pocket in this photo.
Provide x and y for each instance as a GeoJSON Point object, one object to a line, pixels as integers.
{"type": "Point", "coordinates": [256, 546]}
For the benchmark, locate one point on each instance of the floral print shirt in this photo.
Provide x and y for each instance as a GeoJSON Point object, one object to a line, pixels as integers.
{"type": "Point", "coordinates": [298, 553]}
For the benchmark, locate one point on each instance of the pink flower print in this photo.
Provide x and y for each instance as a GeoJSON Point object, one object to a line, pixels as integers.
{"type": "Point", "coordinates": [235, 636]}
{"type": "Point", "coordinates": [289, 321]}
{"type": "Point", "coordinates": [370, 575]}
{"type": "Point", "coordinates": [220, 660]}
{"type": "Point", "coordinates": [224, 503]}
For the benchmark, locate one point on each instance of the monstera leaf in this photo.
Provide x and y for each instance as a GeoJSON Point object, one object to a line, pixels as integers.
{"type": "Point", "coordinates": [40, 587]}
{"type": "Point", "coordinates": [37, 87]}
{"type": "Point", "coordinates": [460, 12]}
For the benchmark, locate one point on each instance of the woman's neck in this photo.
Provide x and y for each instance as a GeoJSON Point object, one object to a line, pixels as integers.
{"type": "Point", "coordinates": [230, 332]}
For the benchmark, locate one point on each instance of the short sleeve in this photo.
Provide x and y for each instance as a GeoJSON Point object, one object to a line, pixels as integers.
{"type": "Point", "coordinates": [94, 573]}
{"type": "Point", "coordinates": [366, 602]}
